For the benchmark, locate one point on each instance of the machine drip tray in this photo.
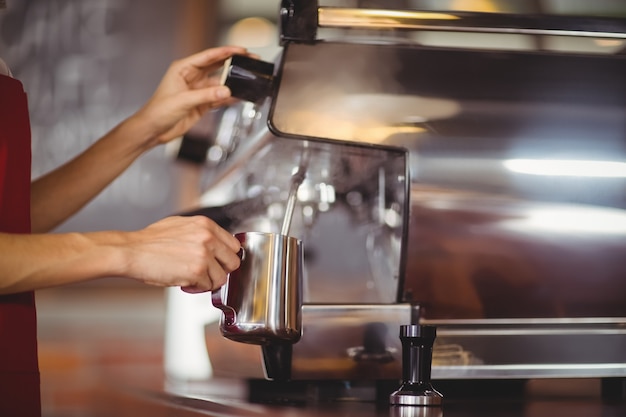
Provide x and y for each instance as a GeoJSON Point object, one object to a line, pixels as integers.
{"type": "Point", "coordinates": [296, 393]}
{"type": "Point", "coordinates": [301, 393]}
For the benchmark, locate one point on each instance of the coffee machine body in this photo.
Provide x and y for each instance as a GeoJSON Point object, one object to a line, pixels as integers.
{"type": "Point", "coordinates": [431, 197]}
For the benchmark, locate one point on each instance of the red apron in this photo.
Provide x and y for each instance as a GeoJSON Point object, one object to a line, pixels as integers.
{"type": "Point", "coordinates": [19, 372]}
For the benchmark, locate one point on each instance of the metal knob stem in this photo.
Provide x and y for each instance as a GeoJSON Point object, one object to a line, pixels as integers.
{"type": "Point", "coordinates": [417, 353]}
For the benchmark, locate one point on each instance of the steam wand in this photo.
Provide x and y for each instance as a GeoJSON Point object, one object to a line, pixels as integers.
{"type": "Point", "coordinates": [277, 356]}
{"type": "Point", "coordinates": [296, 180]}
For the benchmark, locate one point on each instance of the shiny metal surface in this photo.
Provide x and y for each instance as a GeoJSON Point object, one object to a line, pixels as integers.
{"type": "Point", "coordinates": [355, 18]}
{"type": "Point", "coordinates": [517, 176]}
{"type": "Point", "coordinates": [376, 18]}
{"type": "Point", "coordinates": [351, 197]}
{"type": "Point", "coordinates": [262, 300]}
{"type": "Point", "coordinates": [410, 411]}
{"type": "Point", "coordinates": [441, 184]}
{"type": "Point", "coordinates": [296, 181]}
{"type": "Point", "coordinates": [353, 342]}
{"type": "Point", "coordinates": [529, 348]}
{"type": "Point", "coordinates": [524, 257]}
{"type": "Point", "coordinates": [336, 339]}
{"type": "Point", "coordinates": [421, 399]}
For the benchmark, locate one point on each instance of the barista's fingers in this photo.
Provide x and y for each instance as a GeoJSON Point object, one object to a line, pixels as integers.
{"type": "Point", "coordinates": [205, 285]}
{"type": "Point", "coordinates": [229, 240]}
{"type": "Point", "coordinates": [220, 258]}
{"type": "Point", "coordinates": [193, 289]}
{"type": "Point", "coordinates": [228, 260]}
{"type": "Point", "coordinates": [216, 274]}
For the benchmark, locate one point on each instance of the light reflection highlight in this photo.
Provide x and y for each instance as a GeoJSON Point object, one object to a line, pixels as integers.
{"type": "Point", "coordinates": [567, 168]}
{"type": "Point", "coordinates": [573, 220]}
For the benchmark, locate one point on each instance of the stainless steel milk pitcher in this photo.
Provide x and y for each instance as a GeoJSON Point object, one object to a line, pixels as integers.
{"type": "Point", "coordinates": [262, 300]}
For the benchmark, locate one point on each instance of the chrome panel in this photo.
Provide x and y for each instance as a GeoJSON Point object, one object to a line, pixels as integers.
{"type": "Point", "coordinates": [350, 210]}
{"type": "Point", "coordinates": [517, 161]}
{"type": "Point", "coordinates": [343, 342]}
{"type": "Point", "coordinates": [360, 342]}
{"type": "Point", "coordinates": [531, 371]}
{"type": "Point", "coordinates": [353, 342]}
{"type": "Point", "coordinates": [353, 18]}
{"type": "Point", "coordinates": [522, 271]}
{"type": "Point", "coordinates": [529, 348]}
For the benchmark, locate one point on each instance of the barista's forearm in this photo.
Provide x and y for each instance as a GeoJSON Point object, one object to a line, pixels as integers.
{"type": "Point", "coordinates": [61, 193]}
{"type": "Point", "coordinates": [30, 262]}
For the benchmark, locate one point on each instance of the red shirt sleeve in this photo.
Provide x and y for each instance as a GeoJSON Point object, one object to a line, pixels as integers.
{"type": "Point", "coordinates": [19, 374]}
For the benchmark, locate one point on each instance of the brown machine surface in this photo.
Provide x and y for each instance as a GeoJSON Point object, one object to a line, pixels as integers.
{"type": "Point", "coordinates": [464, 261]}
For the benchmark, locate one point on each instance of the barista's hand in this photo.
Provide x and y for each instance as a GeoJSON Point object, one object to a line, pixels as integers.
{"type": "Point", "coordinates": [191, 252]}
{"type": "Point", "coordinates": [188, 89]}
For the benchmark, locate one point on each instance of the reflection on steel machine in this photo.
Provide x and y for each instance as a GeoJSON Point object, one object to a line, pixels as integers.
{"type": "Point", "coordinates": [439, 191]}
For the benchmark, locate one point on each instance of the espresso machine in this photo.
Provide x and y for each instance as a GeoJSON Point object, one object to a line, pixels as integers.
{"type": "Point", "coordinates": [419, 204]}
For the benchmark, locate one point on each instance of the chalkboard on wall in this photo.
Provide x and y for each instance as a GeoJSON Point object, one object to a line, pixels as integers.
{"type": "Point", "coordinates": [86, 65]}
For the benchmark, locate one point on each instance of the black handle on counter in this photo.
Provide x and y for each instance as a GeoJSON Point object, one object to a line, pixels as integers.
{"type": "Point", "coordinates": [417, 353]}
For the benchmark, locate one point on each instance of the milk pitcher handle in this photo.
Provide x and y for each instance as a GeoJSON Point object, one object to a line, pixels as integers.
{"type": "Point", "coordinates": [217, 297]}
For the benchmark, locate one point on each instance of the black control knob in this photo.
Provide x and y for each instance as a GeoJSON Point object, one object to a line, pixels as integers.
{"type": "Point", "coordinates": [298, 21]}
{"type": "Point", "coordinates": [417, 354]}
{"type": "Point", "coordinates": [248, 78]}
